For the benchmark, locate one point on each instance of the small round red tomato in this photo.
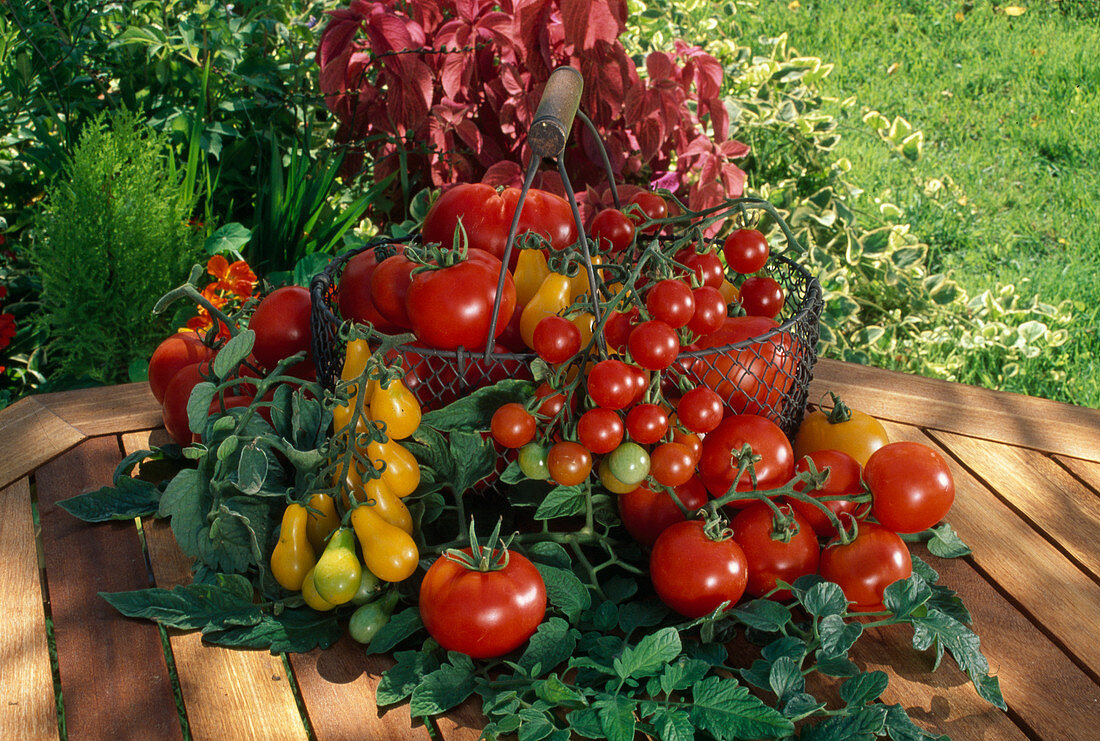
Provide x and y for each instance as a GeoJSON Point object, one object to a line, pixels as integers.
{"type": "Point", "coordinates": [717, 465]}
{"type": "Point", "coordinates": [512, 425]}
{"type": "Point", "coordinates": [700, 410]}
{"type": "Point", "coordinates": [389, 286]}
{"type": "Point", "coordinates": [452, 307]}
{"type": "Point", "coordinates": [844, 480]}
{"type": "Point", "coordinates": [652, 207]}
{"type": "Point", "coordinates": [646, 512]}
{"type": "Point", "coordinates": [610, 384]}
{"type": "Point", "coordinates": [600, 430]}
{"type": "Point", "coordinates": [704, 266]}
{"type": "Point", "coordinates": [482, 614]}
{"type": "Point", "coordinates": [671, 464]}
{"type": "Point", "coordinates": [689, 440]}
{"type": "Point", "coordinates": [671, 301]}
{"type": "Point", "coordinates": [551, 401]}
{"type": "Point", "coordinates": [746, 251]}
{"type": "Point", "coordinates": [863, 568]}
{"type": "Point", "coordinates": [710, 310]}
{"type": "Point", "coordinates": [556, 339]}
{"type": "Point", "coordinates": [769, 557]}
{"type": "Point", "coordinates": [646, 423]}
{"type": "Point", "coordinates": [569, 463]}
{"type": "Point", "coordinates": [354, 292]}
{"type": "Point", "coordinates": [653, 345]}
{"type": "Point", "coordinates": [173, 353]}
{"type": "Point", "coordinates": [911, 486]}
{"type": "Point", "coordinates": [718, 570]}
{"type": "Point", "coordinates": [618, 327]}
{"type": "Point", "coordinates": [612, 229]}
{"type": "Point", "coordinates": [762, 296]}
{"type": "Point", "coordinates": [282, 325]}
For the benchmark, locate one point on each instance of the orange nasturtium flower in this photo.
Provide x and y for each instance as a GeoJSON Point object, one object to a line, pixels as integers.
{"type": "Point", "coordinates": [233, 284]}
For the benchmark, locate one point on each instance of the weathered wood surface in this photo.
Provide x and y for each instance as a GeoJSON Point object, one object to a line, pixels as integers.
{"type": "Point", "coordinates": [1028, 503]}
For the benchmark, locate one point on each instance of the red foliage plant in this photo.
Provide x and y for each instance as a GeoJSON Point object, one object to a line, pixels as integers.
{"type": "Point", "coordinates": [449, 88]}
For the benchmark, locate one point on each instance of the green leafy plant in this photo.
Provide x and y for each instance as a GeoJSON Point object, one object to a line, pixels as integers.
{"type": "Point", "coordinates": [114, 235]}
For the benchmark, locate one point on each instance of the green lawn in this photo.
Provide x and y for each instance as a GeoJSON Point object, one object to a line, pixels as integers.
{"type": "Point", "coordinates": [1010, 110]}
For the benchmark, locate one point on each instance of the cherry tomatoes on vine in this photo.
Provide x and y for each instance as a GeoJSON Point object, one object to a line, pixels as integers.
{"type": "Point", "coordinates": [653, 345]}
{"type": "Point", "coordinates": [746, 251]}
{"type": "Point", "coordinates": [762, 296]}
{"type": "Point", "coordinates": [770, 557]}
{"type": "Point", "coordinates": [718, 466]}
{"type": "Point", "coordinates": [700, 409]}
{"type": "Point", "coordinates": [671, 464]}
{"type": "Point", "coordinates": [569, 463]}
{"type": "Point", "coordinates": [600, 430]}
{"type": "Point", "coordinates": [876, 558]}
{"type": "Point", "coordinates": [911, 486]}
{"type": "Point", "coordinates": [556, 339]}
{"type": "Point", "coordinates": [610, 384]}
{"type": "Point", "coordinates": [710, 310]}
{"type": "Point", "coordinates": [844, 480]}
{"type": "Point", "coordinates": [671, 301]}
{"type": "Point", "coordinates": [652, 205]}
{"type": "Point", "coordinates": [705, 267]}
{"type": "Point", "coordinates": [618, 327]}
{"type": "Point", "coordinates": [646, 423]}
{"type": "Point", "coordinates": [612, 229]}
{"type": "Point", "coordinates": [646, 512]}
{"type": "Point", "coordinates": [718, 569]}
{"type": "Point", "coordinates": [512, 425]}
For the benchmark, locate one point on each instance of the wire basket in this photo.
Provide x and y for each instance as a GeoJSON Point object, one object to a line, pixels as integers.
{"type": "Point", "coordinates": [767, 374]}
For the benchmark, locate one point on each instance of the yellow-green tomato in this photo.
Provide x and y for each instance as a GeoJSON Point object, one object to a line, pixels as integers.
{"type": "Point", "coordinates": [338, 571]}
{"type": "Point", "coordinates": [309, 594]}
{"type": "Point", "coordinates": [629, 463]}
{"type": "Point", "coordinates": [369, 587]}
{"type": "Point", "coordinates": [368, 619]}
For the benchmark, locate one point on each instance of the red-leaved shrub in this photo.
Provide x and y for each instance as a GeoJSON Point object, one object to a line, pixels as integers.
{"type": "Point", "coordinates": [446, 89]}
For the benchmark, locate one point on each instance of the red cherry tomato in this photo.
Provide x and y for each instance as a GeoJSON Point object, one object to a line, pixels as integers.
{"type": "Point", "coordinates": [710, 311]}
{"type": "Point", "coordinates": [569, 463]}
{"type": "Point", "coordinates": [282, 325]}
{"type": "Point", "coordinates": [646, 423]}
{"type": "Point", "coordinates": [762, 296]}
{"type": "Point", "coordinates": [844, 480]}
{"type": "Point", "coordinates": [483, 614]}
{"type": "Point", "coordinates": [610, 384]}
{"type": "Point", "coordinates": [771, 558]}
{"type": "Point", "coordinates": [746, 251]}
{"type": "Point", "coordinates": [863, 568]}
{"type": "Point", "coordinates": [512, 425]}
{"type": "Point", "coordinates": [618, 327]}
{"type": "Point", "coordinates": [652, 206]}
{"type": "Point", "coordinates": [716, 463]}
{"type": "Point", "coordinates": [653, 345]}
{"type": "Point", "coordinates": [600, 430]}
{"type": "Point", "coordinates": [551, 401]}
{"type": "Point", "coordinates": [705, 267]}
{"type": "Point", "coordinates": [646, 512]}
{"type": "Point", "coordinates": [700, 410]}
{"type": "Point", "coordinates": [672, 301]}
{"type": "Point", "coordinates": [556, 339]}
{"type": "Point", "coordinates": [173, 353]}
{"type": "Point", "coordinates": [911, 486]}
{"type": "Point", "coordinates": [671, 464]}
{"type": "Point", "coordinates": [718, 569]}
{"type": "Point", "coordinates": [611, 229]}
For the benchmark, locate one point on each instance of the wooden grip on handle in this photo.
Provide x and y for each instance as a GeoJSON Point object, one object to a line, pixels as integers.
{"type": "Point", "coordinates": [554, 117]}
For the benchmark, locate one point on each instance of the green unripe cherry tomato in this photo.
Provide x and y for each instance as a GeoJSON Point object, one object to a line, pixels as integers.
{"type": "Point", "coordinates": [369, 587]}
{"type": "Point", "coordinates": [532, 461]}
{"type": "Point", "coordinates": [366, 621]}
{"type": "Point", "coordinates": [629, 463]}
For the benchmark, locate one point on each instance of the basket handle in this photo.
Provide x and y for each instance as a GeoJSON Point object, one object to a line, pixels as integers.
{"type": "Point", "coordinates": [561, 98]}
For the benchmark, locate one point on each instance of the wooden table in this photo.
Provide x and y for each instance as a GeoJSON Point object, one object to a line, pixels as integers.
{"type": "Point", "coordinates": [1028, 503]}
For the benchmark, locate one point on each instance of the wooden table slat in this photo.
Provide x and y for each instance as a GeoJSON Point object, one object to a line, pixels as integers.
{"type": "Point", "coordinates": [227, 693]}
{"type": "Point", "coordinates": [28, 709]}
{"type": "Point", "coordinates": [109, 410]}
{"type": "Point", "coordinates": [1087, 471]}
{"type": "Point", "coordinates": [131, 695]}
{"type": "Point", "coordinates": [41, 435]}
{"type": "Point", "coordinates": [1040, 579]}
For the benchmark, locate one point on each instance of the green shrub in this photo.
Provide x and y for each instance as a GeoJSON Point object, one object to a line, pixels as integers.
{"type": "Point", "coordinates": [114, 237]}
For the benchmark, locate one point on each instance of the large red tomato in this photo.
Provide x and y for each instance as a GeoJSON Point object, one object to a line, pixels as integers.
{"type": "Point", "coordinates": [483, 614]}
{"type": "Point", "coordinates": [174, 406]}
{"type": "Point", "coordinates": [173, 353]}
{"type": "Point", "coordinates": [716, 465]}
{"type": "Point", "coordinates": [354, 292]}
{"type": "Point", "coordinates": [863, 568]}
{"type": "Point", "coordinates": [487, 215]}
{"type": "Point", "coordinates": [452, 307]}
{"type": "Point", "coordinates": [753, 379]}
{"type": "Point", "coordinates": [694, 574]}
{"type": "Point", "coordinates": [389, 285]}
{"type": "Point", "coordinates": [911, 486]}
{"type": "Point", "coordinates": [773, 558]}
{"type": "Point", "coordinates": [281, 324]}
{"type": "Point", "coordinates": [646, 512]}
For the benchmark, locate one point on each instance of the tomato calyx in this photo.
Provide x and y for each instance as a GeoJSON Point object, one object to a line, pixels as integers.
{"type": "Point", "coordinates": [482, 558]}
{"type": "Point", "coordinates": [840, 411]}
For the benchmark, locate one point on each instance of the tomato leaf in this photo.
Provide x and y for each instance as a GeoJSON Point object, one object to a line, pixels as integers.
{"type": "Point", "coordinates": [616, 714]}
{"type": "Point", "coordinates": [565, 590]}
{"type": "Point", "coordinates": [785, 678]}
{"type": "Point", "coordinates": [251, 469]}
{"type": "Point", "coordinates": [650, 655]}
{"type": "Point", "coordinates": [864, 687]}
{"type": "Point", "coordinates": [763, 614]}
{"type": "Point", "coordinates": [198, 405]}
{"type": "Point", "coordinates": [824, 599]}
{"type": "Point", "coordinates": [866, 723]}
{"type": "Point", "coordinates": [727, 710]}
{"type": "Point", "coordinates": [473, 412]}
{"type": "Point", "coordinates": [553, 643]}
{"type": "Point", "coordinates": [557, 692]}
{"type": "Point", "coordinates": [673, 725]}
{"type": "Point", "coordinates": [940, 631]}
{"type": "Point", "coordinates": [946, 543]}
{"type": "Point", "coordinates": [550, 553]}
{"type": "Point", "coordinates": [837, 636]}
{"type": "Point", "coordinates": [802, 704]}
{"type": "Point", "coordinates": [233, 353]}
{"type": "Point", "coordinates": [189, 607]}
{"type": "Point", "coordinates": [186, 500]}
{"type": "Point", "coordinates": [292, 630]}
{"type": "Point", "coordinates": [906, 595]}
{"type": "Point", "coordinates": [682, 674]}
{"type": "Point", "coordinates": [899, 727]}
{"type": "Point", "coordinates": [401, 625]}
{"type": "Point", "coordinates": [128, 499]}
{"type": "Point", "coordinates": [474, 458]}
{"type": "Point", "coordinates": [400, 679]}
{"type": "Point", "coordinates": [585, 722]}
{"type": "Point", "coordinates": [561, 501]}
{"type": "Point", "coordinates": [444, 688]}
{"type": "Point", "coordinates": [641, 614]}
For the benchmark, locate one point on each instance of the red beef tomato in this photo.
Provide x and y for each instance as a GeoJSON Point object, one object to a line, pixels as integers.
{"type": "Point", "coordinates": [173, 353]}
{"type": "Point", "coordinates": [282, 325]}
{"type": "Point", "coordinates": [354, 292]}
{"type": "Point", "coordinates": [719, 469]}
{"type": "Point", "coordinates": [752, 379]}
{"type": "Point", "coordinates": [694, 574]}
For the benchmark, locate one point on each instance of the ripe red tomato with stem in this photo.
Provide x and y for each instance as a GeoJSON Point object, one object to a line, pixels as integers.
{"type": "Point", "coordinates": [700, 410]}
{"type": "Point", "coordinates": [718, 572]}
{"type": "Point", "coordinates": [762, 296]}
{"type": "Point", "coordinates": [671, 464]}
{"type": "Point", "coordinates": [876, 558]}
{"type": "Point", "coordinates": [612, 229]}
{"type": "Point", "coordinates": [775, 553]}
{"type": "Point", "coordinates": [451, 307]}
{"type": "Point", "coordinates": [618, 327]}
{"type": "Point", "coordinates": [483, 606]}
{"type": "Point", "coordinates": [486, 216]}
{"type": "Point", "coordinates": [710, 311]}
{"type": "Point", "coordinates": [646, 511]}
{"type": "Point", "coordinates": [718, 462]}
{"type": "Point", "coordinates": [911, 486]}
{"type": "Point", "coordinates": [354, 292]}
{"type": "Point", "coordinates": [173, 353]}
{"type": "Point", "coordinates": [653, 345]}
{"type": "Point", "coordinates": [704, 267]}
{"type": "Point", "coordinates": [746, 251]}
{"type": "Point", "coordinates": [512, 425]}
{"type": "Point", "coordinates": [600, 430]}
{"type": "Point", "coordinates": [556, 339]}
{"type": "Point", "coordinates": [550, 401]}
{"type": "Point", "coordinates": [176, 395]}
{"type": "Point", "coordinates": [610, 384]}
{"type": "Point", "coordinates": [672, 302]}
{"type": "Point", "coordinates": [646, 423]}
{"type": "Point", "coordinates": [389, 285]}
{"type": "Point", "coordinates": [844, 480]}
{"type": "Point", "coordinates": [569, 463]}
{"type": "Point", "coordinates": [282, 325]}
{"type": "Point", "coordinates": [652, 205]}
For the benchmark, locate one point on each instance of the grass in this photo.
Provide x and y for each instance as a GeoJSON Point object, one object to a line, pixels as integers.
{"type": "Point", "coordinates": [1010, 110]}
